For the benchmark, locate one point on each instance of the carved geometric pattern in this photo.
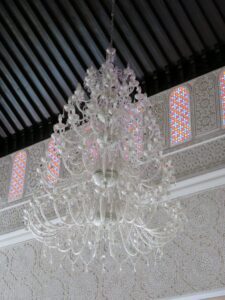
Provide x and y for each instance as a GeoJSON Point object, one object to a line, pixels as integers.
{"type": "Point", "coordinates": [198, 160]}
{"type": "Point", "coordinates": [193, 263]}
{"type": "Point", "coordinates": [54, 165]}
{"type": "Point", "coordinates": [222, 96]}
{"type": "Point", "coordinates": [12, 219]}
{"type": "Point", "coordinates": [204, 93]}
{"type": "Point", "coordinates": [34, 153]}
{"type": "Point", "coordinates": [5, 173]}
{"type": "Point", "coordinates": [180, 116]}
{"type": "Point", "coordinates": [18, 176]}
{"type": "Point", "coordinates": [158, 108]}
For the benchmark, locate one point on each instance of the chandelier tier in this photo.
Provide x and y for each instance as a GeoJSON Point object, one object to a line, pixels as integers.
{"type": "Point", "coordinates": [110, 195]}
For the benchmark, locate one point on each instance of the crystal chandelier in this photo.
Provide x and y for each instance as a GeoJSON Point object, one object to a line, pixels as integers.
{"type": "Point", "coordinates": [109, 198]}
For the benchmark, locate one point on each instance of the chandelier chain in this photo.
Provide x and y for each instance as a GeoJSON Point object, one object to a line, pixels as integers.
{"type": "Point", "coordinates": [112, 22]}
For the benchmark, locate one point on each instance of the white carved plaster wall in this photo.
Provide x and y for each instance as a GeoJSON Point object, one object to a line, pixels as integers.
{"type": "Point", "coordinates": [194, 262]}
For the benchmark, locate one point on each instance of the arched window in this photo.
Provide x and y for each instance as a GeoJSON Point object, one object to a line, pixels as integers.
{"type": "Point", "coordinates": [18, 176]}
{"type": "Point", "coordinates": [179, 116]}
{"type": "Point", "coordinates": [54, 165]}
{"type": "Point", "coordinates": [222, 96]}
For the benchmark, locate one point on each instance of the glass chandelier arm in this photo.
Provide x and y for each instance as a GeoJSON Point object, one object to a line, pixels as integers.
{"type": "Point", "coordinates": [45, 222]}
{"type": "Point", "coordinates": [124, 243]}
{"type": "Point", "coordinates": [157, 239]}
{"type": "Point", "coordinates": [85, 235]}
{"type": "Point", "coordinates": [75, 220]}
{"type": "Point", "coordinates": [58, 215]}
{"type": "Point", "coordinates": [40, 233]}
{"type": "Point", "coordinates": [39, 221]}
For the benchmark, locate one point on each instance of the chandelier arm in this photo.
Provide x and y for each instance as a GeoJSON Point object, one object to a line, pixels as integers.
{"type": "Point", "coordinates": [67, 167]}
{"type": "Point", "coordinates": [76, 129]}
{"type": "Point", "coordinates": [133, 218]}
{"type": "Point", "coordinates": [147, 240]}
{"type": "Point", "coordinates": [92, 126]}
{"type": "Point", "coordinates": [47, 223]}
{"type": "Point", "coordinates": [125, 208]}
{"type": "Point", "coordinates": [137, 249]}
{"type": "Point", "coordinates": [42, 223]}
{"type": "Point", "coordinates": [111, 241]}
{"type": "Point", "coordinates": [85, 163]}
{"type": "Point", "coordinates": [149, 217]}
{"type": "Point", "coordinates": [124, 244]}
{"type": "Point", "coordinates": [84, 210]}
{"type": "Point", "coordinates": [40, 233]}
{"type": "Point", "coordinates": [161, 240]}
{"type": "Point", "coordinates": [67, 140]}
{"type": "Point", "coordinates": [72, 215]}
{"type": "Point", "coordinates": [83, 244]}
{"type": "Point", "coordinates": [65, 224]}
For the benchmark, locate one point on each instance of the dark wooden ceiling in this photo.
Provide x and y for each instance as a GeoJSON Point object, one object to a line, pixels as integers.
{"type": "Point", "coordinates": [47, 45]}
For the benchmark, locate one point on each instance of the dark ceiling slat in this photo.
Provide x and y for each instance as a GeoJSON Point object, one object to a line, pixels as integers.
{"type": "Point", "coordinates": [80, 27]}
{"type": "Point", "coordinates": [167, 20]}
{"type": "Point", "coordinates": [62, 45]}
{"type": "Point", "coordinates": [104, 21]}
{"type": "Point", "coordinates": [10, 114]}
{"type": "Point", "coordinates": [15, 95]}
{"type": "Point", "coordinates": [53, 78]}
{"type": "Point", "coordinates": [186, 25]}
{"type": "Point", "coordinates": [145, 37]}
{"type": "Point", "coordinates": [200, 22]}
{"type": "Point", "coordinates": [214, 17]}
{"type": "Point", "coordinates": [221, 7]}
{"type": "Point", "coordinates": [18, 44]}
{"type": "Point", "coordinates": [6, 123]}
{"type": "Point", "coordinates": [71, 37]}
{"type": "Point", "coordinates": [3, 135]}
{"type": "Point", "coordinates": [131, 39]}
{"type": "Point", "coordinates": [24, 35]}
{"type": "Point", "coordinates": [21, 63]}
{"type": "Point", "coordinates": [58, 46]}
{"type": "Point", "coordinates": [155, 25]}
{"type": "Point", "coordinates": [49, 50]}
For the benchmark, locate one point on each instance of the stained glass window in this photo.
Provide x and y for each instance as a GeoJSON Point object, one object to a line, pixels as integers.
{"type": "Point", "coordinates": [18, 176]}
{"type": "Point", "coordinates": [222, 96]}
{"type": "Point", "coordinates": [54, 164]}
{"type": "Point", "coordinates": [179, 116]}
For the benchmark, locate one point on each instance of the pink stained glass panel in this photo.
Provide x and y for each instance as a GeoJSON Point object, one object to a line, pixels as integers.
{"type": "Point", "coordinates": [222, 96]}
{"type": "Point", "coordinates": [54, 164]}
{"type": "Point", "coordinates": [18, 176]}
{"type": "Point", "coordinates": [179, 116]}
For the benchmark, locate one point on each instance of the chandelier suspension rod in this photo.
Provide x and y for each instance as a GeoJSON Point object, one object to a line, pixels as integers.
{"type": "Point", "coordinates": [112, 22]}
